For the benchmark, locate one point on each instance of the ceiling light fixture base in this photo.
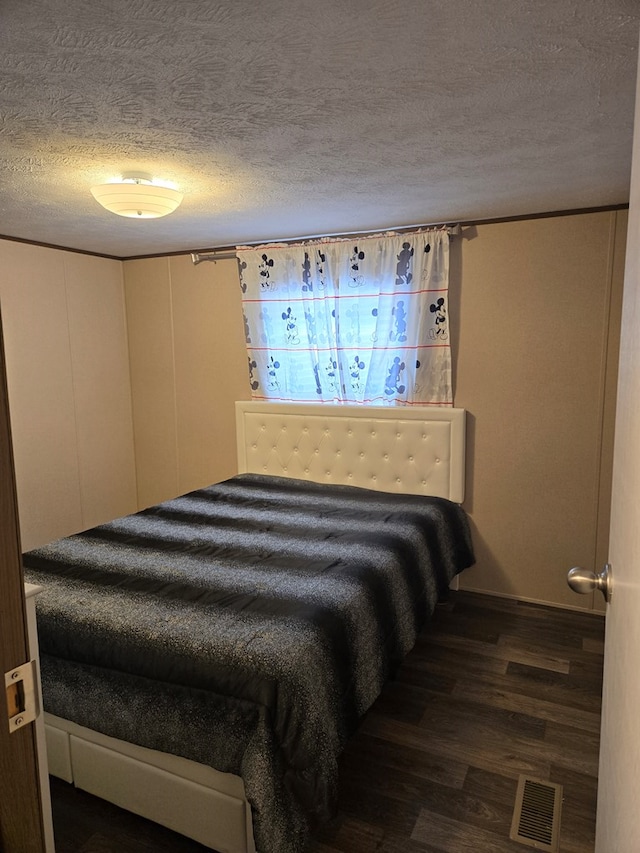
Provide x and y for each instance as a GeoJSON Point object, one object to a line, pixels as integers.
{"type": "Point", "coordinates": [137, 196]}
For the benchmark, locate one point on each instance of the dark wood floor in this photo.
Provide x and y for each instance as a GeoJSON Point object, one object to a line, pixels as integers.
{"type": "Point", "coordinates": [493, 689]}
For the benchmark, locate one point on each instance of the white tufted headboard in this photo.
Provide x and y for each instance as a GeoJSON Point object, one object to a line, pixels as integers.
{"type": "Point", "coordinates": [419, 450]}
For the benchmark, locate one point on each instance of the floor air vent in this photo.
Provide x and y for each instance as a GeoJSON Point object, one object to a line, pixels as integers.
{"type": "Point", "coordinates": [536, 817]}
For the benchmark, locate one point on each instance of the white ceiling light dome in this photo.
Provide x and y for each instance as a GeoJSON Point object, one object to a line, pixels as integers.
{"type": "Point", "coordinates": [137, 196]}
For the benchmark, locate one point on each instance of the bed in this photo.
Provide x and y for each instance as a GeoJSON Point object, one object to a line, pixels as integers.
{"type": "Point", "coordinates": [211, 685]}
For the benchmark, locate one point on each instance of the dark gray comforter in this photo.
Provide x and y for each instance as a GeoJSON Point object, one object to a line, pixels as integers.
{"type": "Point", "coordinates": [247, 625]}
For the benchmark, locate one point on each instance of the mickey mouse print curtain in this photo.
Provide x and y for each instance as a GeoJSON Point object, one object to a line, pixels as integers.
{"type": "Point", "coordinates": [361, 321]}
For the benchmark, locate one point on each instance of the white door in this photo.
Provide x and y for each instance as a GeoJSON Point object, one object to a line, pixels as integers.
{"type": "Point", "coordinates": [618, 822]}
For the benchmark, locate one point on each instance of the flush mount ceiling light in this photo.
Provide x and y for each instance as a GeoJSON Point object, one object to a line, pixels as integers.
{"type": "Point", "coordinates": [138, 196]}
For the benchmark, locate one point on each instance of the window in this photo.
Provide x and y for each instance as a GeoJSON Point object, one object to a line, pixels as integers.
{"type": "Point", "coordinates": [349, 321]}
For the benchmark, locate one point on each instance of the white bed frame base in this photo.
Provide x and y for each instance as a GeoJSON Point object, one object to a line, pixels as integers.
{"type": "Point", "coordinates": [413, 450]}
{"type": "Point", "coordinates": [193, 799]}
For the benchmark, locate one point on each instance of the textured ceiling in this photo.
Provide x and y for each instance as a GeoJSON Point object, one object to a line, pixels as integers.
{"type": "Point", "coordinates": [288, 118]}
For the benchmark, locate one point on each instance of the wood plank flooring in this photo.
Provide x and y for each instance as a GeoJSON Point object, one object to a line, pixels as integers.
{"type": "Point", "coordinates": [493, 689]}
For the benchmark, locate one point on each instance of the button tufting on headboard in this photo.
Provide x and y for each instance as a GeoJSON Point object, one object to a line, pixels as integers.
{"type": "Point", "coordinates": [418, 450]}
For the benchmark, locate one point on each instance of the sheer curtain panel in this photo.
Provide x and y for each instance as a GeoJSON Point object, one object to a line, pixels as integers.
{"type": "Point", "coordinates": [350, 320]}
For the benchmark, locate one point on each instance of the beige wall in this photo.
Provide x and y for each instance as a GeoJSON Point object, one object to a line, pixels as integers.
{"type": "Point", "coordinates": [535, 360]}
{"type": "Point", "coordinates": [188, 366]}
{"type": "Point", "coordinates": [535, 307]}
{"type": "Point", "coordinates": [69, 390]}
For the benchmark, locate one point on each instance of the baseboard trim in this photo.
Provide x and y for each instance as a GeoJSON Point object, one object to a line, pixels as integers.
{"type": "Point", "coordinates": [525, 600]}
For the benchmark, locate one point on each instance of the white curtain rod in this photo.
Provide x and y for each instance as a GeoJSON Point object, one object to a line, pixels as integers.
{"type": "Point", "coordinates": [197, 258]}
{"type": "Point", "coordinates": [223, 255]}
